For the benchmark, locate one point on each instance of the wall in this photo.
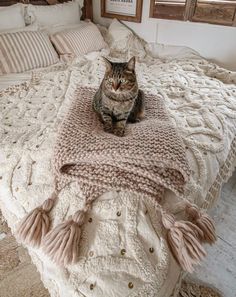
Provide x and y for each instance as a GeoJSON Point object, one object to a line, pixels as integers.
{"type": "Point", "coordinates": [217, 43]}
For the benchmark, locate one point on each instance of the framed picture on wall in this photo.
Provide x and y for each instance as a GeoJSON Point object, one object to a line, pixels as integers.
{"type": "Point", "coordinates": [126, 10]}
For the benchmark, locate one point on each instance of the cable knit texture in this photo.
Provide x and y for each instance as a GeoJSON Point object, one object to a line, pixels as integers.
{"type": "Point", "coordinates": [147, 160]}
{"type": "Point", "coordinates": [201, 99]}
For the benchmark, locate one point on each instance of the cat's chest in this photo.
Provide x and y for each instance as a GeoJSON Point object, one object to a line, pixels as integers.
{"type": "Point", "coordinates": [116, 106]}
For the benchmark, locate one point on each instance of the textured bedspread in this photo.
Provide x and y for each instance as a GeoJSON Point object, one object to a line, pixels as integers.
{"type": "Point", "coordinates": [123, 251]}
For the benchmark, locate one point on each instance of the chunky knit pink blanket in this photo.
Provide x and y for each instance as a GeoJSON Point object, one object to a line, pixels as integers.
{"type": "Point", "coordinates": [148, 159]}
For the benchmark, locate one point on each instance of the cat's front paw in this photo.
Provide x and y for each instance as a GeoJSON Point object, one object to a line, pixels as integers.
{"type": "Point", "coordinates": [119, 132]}
{"type": "Point", "coordinates": [135, 121]}
{"type": "Point", "coordinates": [108, 129]}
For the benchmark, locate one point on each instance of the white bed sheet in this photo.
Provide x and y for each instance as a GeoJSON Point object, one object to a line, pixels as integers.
{"type": "Point", "coordinates": [13, 79]}
{"type": "Point", "coordinates": [202, 101]}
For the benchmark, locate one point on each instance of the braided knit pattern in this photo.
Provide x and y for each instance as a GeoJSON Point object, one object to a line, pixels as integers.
{"type": "Point", "coordinates": [201, 98]}
{"type": "Point", "coordinates": [149, 158]}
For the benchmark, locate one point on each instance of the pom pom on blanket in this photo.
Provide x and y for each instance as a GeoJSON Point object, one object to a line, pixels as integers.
{"type": "Point", "coordinates": [36, 224]}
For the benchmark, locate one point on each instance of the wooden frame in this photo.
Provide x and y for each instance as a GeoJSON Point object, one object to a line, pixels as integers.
{"type": "Point", "coordinates": [169, 11]}
{"type": "Point", "coordinates": [87, 10]}
{"type": "Point", "coordinates": [137, 18]}
{"type": "Point", "coordinates": [220, 12]}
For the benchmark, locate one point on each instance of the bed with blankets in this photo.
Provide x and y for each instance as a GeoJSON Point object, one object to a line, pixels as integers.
{"type": "Point", "coordinates": [123, 247]}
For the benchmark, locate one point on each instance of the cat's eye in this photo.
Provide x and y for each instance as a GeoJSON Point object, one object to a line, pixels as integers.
{"type": "Point", "coordinates": [110, 80]}
{"type": "Point", "coordinates": [123, 80]}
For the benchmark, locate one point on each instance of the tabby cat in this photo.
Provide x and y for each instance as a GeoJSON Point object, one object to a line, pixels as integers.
{"type": "Point", "coordinates": [118, 99]}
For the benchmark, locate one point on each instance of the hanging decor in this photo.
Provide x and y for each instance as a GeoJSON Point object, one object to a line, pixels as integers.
{"type": "Point", "coordinates": [126, 10]}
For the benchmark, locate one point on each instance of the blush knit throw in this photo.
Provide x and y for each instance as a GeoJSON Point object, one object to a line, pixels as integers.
{"type": "Point", "coordinates": [147, 160]}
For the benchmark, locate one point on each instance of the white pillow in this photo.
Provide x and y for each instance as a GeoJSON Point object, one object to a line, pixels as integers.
{"type": "Point", "coordinates": [55, 15]}
{"type": "Point", "coordinates": [32, 27]}
{"type": "Point", "coordinates": [119, 35]}
{"type": "Point", "coordinates": [12, 17]}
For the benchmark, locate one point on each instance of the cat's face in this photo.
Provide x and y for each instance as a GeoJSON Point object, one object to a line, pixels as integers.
{"type": "Point", "coordinates": [120, 77]}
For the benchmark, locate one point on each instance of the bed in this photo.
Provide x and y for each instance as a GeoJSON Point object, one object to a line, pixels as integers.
{"type": "Point", "coordinates": [123, 251]}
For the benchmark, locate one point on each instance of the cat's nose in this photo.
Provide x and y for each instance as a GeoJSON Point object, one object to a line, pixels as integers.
{"type": "Point", "coordinates": [115, 86]}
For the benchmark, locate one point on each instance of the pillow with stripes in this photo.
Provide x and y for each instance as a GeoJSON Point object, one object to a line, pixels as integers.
{"type": "Point", "coordinates": [22, 51]}
{"type": "Point", "coordinates": [78, 41]}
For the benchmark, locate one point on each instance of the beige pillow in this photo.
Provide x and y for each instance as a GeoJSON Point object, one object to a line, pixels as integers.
{"type": "Point", "coordinates": [22, 51]}
{"type": "Point", "coordinates": [119, 36]}
{"type": "Point", "coordinates": [82, 40]}
{"type": "Point", "coordinates": [123, 41]}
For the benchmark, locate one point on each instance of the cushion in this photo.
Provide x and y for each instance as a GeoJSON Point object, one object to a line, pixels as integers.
{"type": "Point", "coordinates": [55, 29]}
{"type": "Point", "coordinates": [84, 39]}
{"type": "Point", "coordinates": [54, 15]}
{"type": "Point", "coordinates": [22, 51]}
{"type": "Point", "coordinates": [119, 35]}
{"type": "Point", "coordinates": [122, 40]}
{"type": "Point", "coordinates": [12, 17]}
{"type": "Point", "coordinates": [32, 27]}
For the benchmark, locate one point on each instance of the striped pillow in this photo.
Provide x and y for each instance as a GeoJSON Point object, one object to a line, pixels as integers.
{"type": "Point", "coordinates": [24, 51]}
{"type": "Point", "coordinates": [82, 40]}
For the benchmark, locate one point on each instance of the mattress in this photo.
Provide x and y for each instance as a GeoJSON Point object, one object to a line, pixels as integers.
{"type": "Point", "coordinates": [123, 251]}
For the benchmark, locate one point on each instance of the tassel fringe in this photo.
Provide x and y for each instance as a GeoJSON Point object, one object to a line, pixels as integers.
{"type": "Point", "coordinates": [62, 243]}
{"type": "Point", "coordinates": [36, 224]}
{"type": "Point", "coordinates": [204, 222]}
{"type": "Point", "coordinates": [183, 240]}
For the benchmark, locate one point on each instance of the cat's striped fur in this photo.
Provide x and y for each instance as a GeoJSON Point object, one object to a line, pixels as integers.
{"type": "Point", "coordinates": [118, 98]}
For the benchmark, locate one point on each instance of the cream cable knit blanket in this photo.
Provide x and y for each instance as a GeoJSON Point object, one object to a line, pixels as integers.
{"type": "Point", "coordinates": [147, 160]}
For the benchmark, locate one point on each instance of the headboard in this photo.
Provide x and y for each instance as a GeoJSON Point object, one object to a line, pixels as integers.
{"type": "Point", "coordinates": [87, 9]}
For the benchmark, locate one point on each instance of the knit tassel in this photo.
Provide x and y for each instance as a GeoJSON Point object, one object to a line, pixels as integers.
{"type": "Point", "coordinates": [183, 240]}
{"type": "Point", "coordinates": [204, 222]}
{"type": "Point", "coordinates": [35, 225]}
{"type": "Point", "coordinates": [62, 243]}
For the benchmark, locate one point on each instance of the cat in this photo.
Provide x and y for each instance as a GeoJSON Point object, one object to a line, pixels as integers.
{"type": "Point", "coordinates": [118, 99]}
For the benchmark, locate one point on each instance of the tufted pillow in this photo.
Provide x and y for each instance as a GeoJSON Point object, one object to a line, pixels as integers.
{"type": "Point", "coordinates": [22, 51]}
{"type": "Point", "coordinates": [82, 40]}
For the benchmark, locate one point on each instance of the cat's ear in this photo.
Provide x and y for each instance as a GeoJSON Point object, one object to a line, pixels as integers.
{"type": "Point", "coordinates": [107, 63]}
{"type": "Point", "coordinates": [131, 64]}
